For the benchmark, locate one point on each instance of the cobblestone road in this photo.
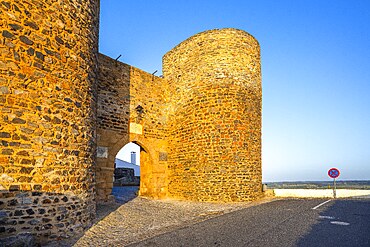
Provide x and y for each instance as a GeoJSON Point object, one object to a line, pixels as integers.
{"type": "Point", "coordinates": [139, 218]}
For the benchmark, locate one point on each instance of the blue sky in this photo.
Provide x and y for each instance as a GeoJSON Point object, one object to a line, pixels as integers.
{"type": "Point", "coordinates": [315, 71]}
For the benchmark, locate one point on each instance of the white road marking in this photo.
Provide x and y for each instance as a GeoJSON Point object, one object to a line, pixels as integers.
{"type": "Point", "coordinates": [326, 217]}
{"type": "Point", "coordinates": [341, 223]}
{"type": "Point", "coordinates": [316, 207]}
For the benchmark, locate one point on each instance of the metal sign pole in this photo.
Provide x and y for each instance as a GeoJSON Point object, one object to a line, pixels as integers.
{"type": "Point", "coordinates": [334, 173]}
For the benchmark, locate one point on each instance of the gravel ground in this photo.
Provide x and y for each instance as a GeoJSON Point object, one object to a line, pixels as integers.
{"type": "Point", "coordinates": [120, 224]}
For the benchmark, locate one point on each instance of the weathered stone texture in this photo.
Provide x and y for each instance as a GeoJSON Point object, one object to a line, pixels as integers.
{"type": "Point", "coordinates": [45, 214]}
{"type": "Point", "coordinates": [129, 97]}
{"type": "Point", "coordinates": [48, 67]}
{"type": "Point", "coordinates": [215, 122]}
{"type": "Point", "coordinates": [199, 127]}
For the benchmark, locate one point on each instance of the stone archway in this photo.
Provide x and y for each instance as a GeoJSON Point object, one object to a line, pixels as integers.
{"type": "Point", "coordinates": [130, 109]}
{"type": "Point", "coordinates": [145, 166]}
{"type": "Point", "coordinates": [153, 179]}
{"type": "Point", "coordinates": [127, 161]}
{"type": "Point", "coordinates": [109, 143]}
{"type": "Point", "coordinates": [146, 171]}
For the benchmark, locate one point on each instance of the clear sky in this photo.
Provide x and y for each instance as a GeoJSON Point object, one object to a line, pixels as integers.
{"type": "Point", "coordinates": [125, 153]}
{"type": "Point", "coordinates": [315, 71]}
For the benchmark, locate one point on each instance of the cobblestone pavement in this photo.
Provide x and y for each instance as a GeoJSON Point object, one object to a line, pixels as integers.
{"type": "Point", "coordinates": [141, 218]}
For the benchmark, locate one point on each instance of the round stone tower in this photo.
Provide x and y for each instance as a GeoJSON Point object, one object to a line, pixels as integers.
{"type": "Point", "coordinates": [216, 95]}
{"type": "Point", "coordinates": [48, 67]}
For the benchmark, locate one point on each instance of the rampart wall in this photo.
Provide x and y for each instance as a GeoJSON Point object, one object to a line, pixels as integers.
{"type": "Point", "coordinates": [132, 107]}
{"type": "Point", "coordinates": [66, 111]}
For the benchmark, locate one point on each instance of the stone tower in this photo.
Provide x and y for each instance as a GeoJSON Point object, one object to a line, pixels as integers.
{"type": "Point", "coordinates": [48, 67]}
{"type": "Point", "coordinates": [198, 128]}
{"type": "Point", "coordinates": [215, 117]}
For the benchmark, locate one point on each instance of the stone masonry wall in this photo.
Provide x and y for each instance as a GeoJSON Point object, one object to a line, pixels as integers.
{"type": "Point", "coordinates": [48, 67]}
{"type": "Point", "coordinates": [199, 127]}
{"type": "Point", "coordinates": [131, 108]}
{"type": "Point", "coordinates": [215, 119]}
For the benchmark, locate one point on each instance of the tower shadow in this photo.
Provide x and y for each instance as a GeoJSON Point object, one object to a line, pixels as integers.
{"type": "Point", "coordinates": [344, 223]}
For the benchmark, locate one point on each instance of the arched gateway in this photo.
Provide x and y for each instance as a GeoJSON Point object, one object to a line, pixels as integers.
{"type": "Point", "coordinates": [200, 124]}
{"type": "Point", "coordinates": [65, 112]}
{"type": "Point", "coordinates": [131, 108]}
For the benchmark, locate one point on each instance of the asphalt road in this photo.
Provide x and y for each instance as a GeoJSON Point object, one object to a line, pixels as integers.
{"type": "Point", "coordinates": [290, 222]}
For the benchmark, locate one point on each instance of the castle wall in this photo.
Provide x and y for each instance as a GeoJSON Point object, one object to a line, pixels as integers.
{"type": "Point", "coordinates": [48, 66]}
{"type": "Point", "coordinates": [131, 108]}
{"type": "Point", "coordinates": [66, 111]}
{"type": "Point", "coordinates": [215, 119]}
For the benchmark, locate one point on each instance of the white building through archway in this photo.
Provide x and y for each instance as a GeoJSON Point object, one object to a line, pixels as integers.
{"type": "Point", "coordinates": [129, 157]}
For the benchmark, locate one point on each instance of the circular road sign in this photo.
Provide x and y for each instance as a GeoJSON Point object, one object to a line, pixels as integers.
{"type": "Point", "coordinates": [333, 173]}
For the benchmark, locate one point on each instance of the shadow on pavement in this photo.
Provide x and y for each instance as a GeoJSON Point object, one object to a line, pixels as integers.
{"type": "Point", "coordinates": [122, 195]}
{"type": "Point", "coordinates": [344, 223]}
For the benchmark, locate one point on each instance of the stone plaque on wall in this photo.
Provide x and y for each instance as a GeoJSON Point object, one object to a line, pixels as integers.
{"type": "Point", "coordinates": [102, 152]}
{"type": "Point", "coordinates": [162, 156]}
{"type": "Point", "coordinates": [136, 128]}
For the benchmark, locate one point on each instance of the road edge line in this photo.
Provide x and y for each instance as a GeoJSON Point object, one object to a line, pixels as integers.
{"type": "Point", "coordinates": [316, 207]}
